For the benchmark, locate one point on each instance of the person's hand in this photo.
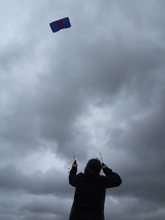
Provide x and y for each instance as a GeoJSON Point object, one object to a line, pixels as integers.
{"type": "Point", "coordinates": [74, 164]}
{"type": "Point", "coordinates": [104, 166]}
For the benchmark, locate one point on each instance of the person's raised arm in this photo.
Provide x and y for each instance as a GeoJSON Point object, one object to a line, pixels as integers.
{"type": "Point", "coordinates": [72, 174]}
{"type": "Point", "coordinates": [113, 179]}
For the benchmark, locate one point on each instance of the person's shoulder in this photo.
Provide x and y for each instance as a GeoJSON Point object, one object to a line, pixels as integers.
{"type": "Point", "coordinates": [102, 177]}
{"type": "Point", "coordinates": [80, 174]}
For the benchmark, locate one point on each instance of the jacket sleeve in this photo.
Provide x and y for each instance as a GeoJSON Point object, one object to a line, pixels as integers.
{"type": "Point", "coordinates": [72, 176]}
{"type": "Point", "coordinates": [112, 179]}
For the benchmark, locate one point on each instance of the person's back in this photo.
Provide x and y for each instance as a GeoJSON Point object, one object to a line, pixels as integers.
{"type": "Point", "coordinates": [90, 190]}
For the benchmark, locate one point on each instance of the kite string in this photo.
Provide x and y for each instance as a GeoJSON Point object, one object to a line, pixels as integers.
{"type": "Point", "coordinates": [66, 116]}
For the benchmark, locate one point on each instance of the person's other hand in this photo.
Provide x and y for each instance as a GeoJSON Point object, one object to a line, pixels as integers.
{"type": "Point", "coordinates": [74, 164]}
{"type": "Point", "coordinates": [104, 166]}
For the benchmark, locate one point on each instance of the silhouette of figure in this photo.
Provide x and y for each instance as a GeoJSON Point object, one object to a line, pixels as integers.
{"type": "Point", "coordinates": [90, 190]}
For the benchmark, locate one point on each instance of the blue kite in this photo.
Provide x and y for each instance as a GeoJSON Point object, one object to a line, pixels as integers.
{"type": "Point", "coordinates": [60, 24]}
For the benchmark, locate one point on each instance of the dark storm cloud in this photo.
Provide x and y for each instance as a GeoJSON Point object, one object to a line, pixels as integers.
{"type": "Point", "coordinates": [37, 183]}
{"type": "Point", "coordinates": [134, 74]}
{"type": "Point", "coordinates": [84, 74]}
{"type": "Point", "coordinates": [45, 207]}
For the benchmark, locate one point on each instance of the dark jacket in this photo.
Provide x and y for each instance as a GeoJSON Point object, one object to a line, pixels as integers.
{"type": "Point", "coordinates": [90, 192]}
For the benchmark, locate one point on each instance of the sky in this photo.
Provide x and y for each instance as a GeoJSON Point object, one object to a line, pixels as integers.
{"type": "Point", "coordinates": [98, 86]}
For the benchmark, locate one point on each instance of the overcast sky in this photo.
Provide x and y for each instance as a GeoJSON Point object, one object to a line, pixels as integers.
{"type": "Point", "coordinates": [98, 86]}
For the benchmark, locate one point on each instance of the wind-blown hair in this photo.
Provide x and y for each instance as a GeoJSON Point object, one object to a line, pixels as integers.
{"type": "Point", "coordinates": [93, 166]}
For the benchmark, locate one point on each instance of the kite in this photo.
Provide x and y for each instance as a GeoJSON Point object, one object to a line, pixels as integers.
{"type": "Point", "coordinates": [60, 24]}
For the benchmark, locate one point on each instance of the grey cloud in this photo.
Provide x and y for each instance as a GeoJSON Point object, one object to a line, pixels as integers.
{"type": "Point", "coordinates": [38, 183]}
{"type": "Point", "coordinates": [45, 207]}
